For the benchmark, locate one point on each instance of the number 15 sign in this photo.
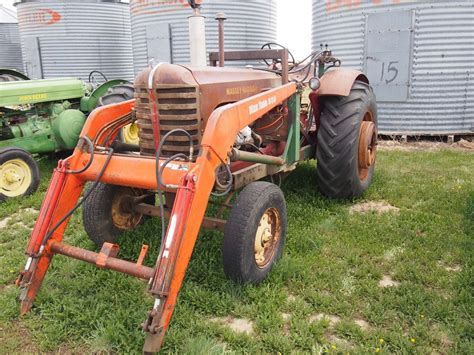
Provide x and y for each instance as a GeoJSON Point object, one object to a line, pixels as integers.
{"type": "Point", "coordinates": [388, 54]}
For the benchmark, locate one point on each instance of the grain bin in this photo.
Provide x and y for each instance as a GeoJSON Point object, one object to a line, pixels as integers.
{"type": "Point", "coordinates": [419, 56]}
{"type": "Point", "coordinates": [160, 27]}
{"type": "Point", "coordinates": [10, 50]}
{"type": "Point", "coordinates": [74, 37]}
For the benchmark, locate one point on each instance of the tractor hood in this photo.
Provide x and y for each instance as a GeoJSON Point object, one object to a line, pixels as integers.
{"type": "Point", "coordinates": [216, 86]}
{"type": "Point", "coordinates": [43, 90]}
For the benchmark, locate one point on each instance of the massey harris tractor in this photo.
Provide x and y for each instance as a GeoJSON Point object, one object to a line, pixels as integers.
{"type": "Point", "coordinates": [208, 135]}
{"type": "Point", "coordinates": [44, 116]}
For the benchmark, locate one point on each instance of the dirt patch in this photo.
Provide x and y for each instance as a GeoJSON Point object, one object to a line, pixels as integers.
{"type": "Point", "coordinates": [373, 206]}
{"type": "Point", "coordinates": [333, 320]}
{"type": "Point", "coordinates": [392, 253]}
{"type": "Point", "coordinates": [28, 210]}
{"type": "Point", "coordinates": [338, 344]}
{"type": "Point", "coordinates": [238, 325]}
{"type": "Point", "coordinates": [286, 318]}
{"type": "Point", "coordinates": [387, 281]}
{"type": "Point", "coordinates": [451, 267]}
{"type": "Point", "coordinates": [390, 145]}
{"type": "Point", "coordinates": [454, 268]}
{"type": "Point", "coordinates": [31, 211]}
{"type": "Point", "coordinates": [364, 325]}
{"type": "Point", "coordinates": [4, 222]}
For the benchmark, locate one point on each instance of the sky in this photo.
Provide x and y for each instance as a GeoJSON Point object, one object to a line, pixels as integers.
{"type": "Point", "coordinates": [294, 25]}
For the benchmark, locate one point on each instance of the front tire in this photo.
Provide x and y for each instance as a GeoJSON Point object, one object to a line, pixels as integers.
{"type": "Point", "coordinates": [19, 173]}
{"type": "Point", "coordinates": [347, 141]}
{"type": "Point", "coordinates": [254, 233]}
{"type": "Point", "coordinates": [106, 215]}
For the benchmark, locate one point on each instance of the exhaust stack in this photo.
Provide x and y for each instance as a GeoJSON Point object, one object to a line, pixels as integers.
{"type": "Point", "coordinates": [197, 36]}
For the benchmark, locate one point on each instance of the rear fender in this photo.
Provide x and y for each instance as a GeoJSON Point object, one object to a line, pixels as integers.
{"type": "Point", "coordinates": [339, 82]}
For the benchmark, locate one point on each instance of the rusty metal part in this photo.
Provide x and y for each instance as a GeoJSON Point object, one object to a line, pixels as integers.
{"type": "Point", "coordinates": [367, 149]}
{"type": "Point", "coordinates": [219, 87]}
{"type": "Point", "coordinates": [339, 82]}
{"type": "Point", "coordinates": [122, 216]}
{"type": "Point", "coordinates": [155, 211]}
{"type": "Point", "coordinates": [225, 204]}
{"type": "Point", "coordinates": [279, 54]}
{"type": "Point", "coordinates": [178, 107]}
{"type": "Point", "coordinates": [267, 237]}
{"type": "Point", "coordinates": [240, 155]}
{"type": "Point", "coordinates": [142, 255]}
{"type": "Point", "coordinates": [221, 17]}
{"type": "Point", "coordinates": [107, 250]}
{"type": "Point", "coordinates": [112, 263]}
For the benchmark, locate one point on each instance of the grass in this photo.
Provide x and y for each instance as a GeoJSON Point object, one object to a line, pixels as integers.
{"type": "Point", "coordinates": [332, 265]}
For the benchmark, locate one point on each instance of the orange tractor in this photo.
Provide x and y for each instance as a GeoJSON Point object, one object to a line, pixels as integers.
{"type": "Point", "coordinates": [206, 133]}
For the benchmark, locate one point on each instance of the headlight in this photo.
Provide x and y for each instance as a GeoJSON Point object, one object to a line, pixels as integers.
{"type": "Point", "coordinates": [314, 83]}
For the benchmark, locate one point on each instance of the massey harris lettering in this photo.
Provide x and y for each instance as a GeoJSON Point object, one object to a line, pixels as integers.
{"type": "Point", "coordinates": [241, 90]}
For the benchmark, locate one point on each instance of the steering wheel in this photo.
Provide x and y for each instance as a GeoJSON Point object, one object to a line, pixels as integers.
{"type": "Point", "coordinates": [94, 76]}
{"type": "Point", "coordinates": [270, 45]}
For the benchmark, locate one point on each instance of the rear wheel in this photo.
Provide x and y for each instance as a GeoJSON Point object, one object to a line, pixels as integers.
{"type": "Point", "coordinates": [347, 143]}
{"type": "Point", "coordinates": [255, 233]}
{"type": "Point", "coordinates": [116, 94]}
{"type": "Point", "coordinates": [107, 213]}
{"type": "Point", "coordinates": [7, 75]}
{"type": "Point", "coordinates": [19, 173]}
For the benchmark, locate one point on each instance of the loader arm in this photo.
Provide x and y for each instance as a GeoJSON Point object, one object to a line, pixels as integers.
{"type": "Point", "coordinates": [195, 185]}
{"type": "Point", "coordinates": [217, 142]}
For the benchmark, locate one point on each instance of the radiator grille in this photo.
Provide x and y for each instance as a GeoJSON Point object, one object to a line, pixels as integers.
{"type": "Point", "coordinates": [178, 107]}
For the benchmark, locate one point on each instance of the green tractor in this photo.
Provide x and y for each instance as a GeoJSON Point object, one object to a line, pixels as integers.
{"type": "Point", "coordinates": [46, 116]}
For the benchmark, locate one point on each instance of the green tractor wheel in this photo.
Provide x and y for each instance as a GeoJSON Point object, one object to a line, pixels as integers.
{"type": "Point", "coordinates": [19, 173]}
{"type": "Point", "coordinates": [120, 93]}
{"type": "Point", "coordinates": [7, 75]}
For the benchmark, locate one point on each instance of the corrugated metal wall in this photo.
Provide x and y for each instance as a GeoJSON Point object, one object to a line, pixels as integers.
{"type": "Point", "coordinates": [10, 53]}
{"type": "Point", "coordinates": [436, 50]}
{"type": "Point", "coordinates": [10, 50]}
{"type": "Point", "coordinates": [249, 24]}
{"type": "Point", "coordinates": [72, 38]}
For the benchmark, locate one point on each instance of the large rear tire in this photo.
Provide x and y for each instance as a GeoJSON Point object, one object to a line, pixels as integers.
{"type": "Point", "coordinates": [19, 173]}
{"type": "Point", "coordinates": [347, 140]}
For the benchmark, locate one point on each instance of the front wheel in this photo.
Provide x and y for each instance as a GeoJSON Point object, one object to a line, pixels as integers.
{"type": "Point", "coordinates": [347, 143]}
{"type": "Point", "coordinates": [106, 213]}
{"type": "Point", "coordinates": [19, 173]}
{"type": "Point", "coordinates": [254, 233]}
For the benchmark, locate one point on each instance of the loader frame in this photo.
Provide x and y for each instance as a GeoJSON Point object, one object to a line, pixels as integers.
{"type": "Point", "coordinates": [193, 183]}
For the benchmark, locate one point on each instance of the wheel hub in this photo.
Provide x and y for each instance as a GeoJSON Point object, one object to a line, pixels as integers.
{"type": "Point", "coordinates": [122, 216]}
{"type": "Point", "coordinates": [367, 147]}
{"type": "Point", "coordinates": [130, 133]}
{"type": "Point", "coordinates": [15, 178]}
{"type": "Point", "coordinates": [266, 237]}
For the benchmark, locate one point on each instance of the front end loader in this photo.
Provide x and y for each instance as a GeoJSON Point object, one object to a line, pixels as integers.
{"type": "Point", "coordinates": [45, 116]}
{"type": "Point", "coordinates": [208, 135]}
